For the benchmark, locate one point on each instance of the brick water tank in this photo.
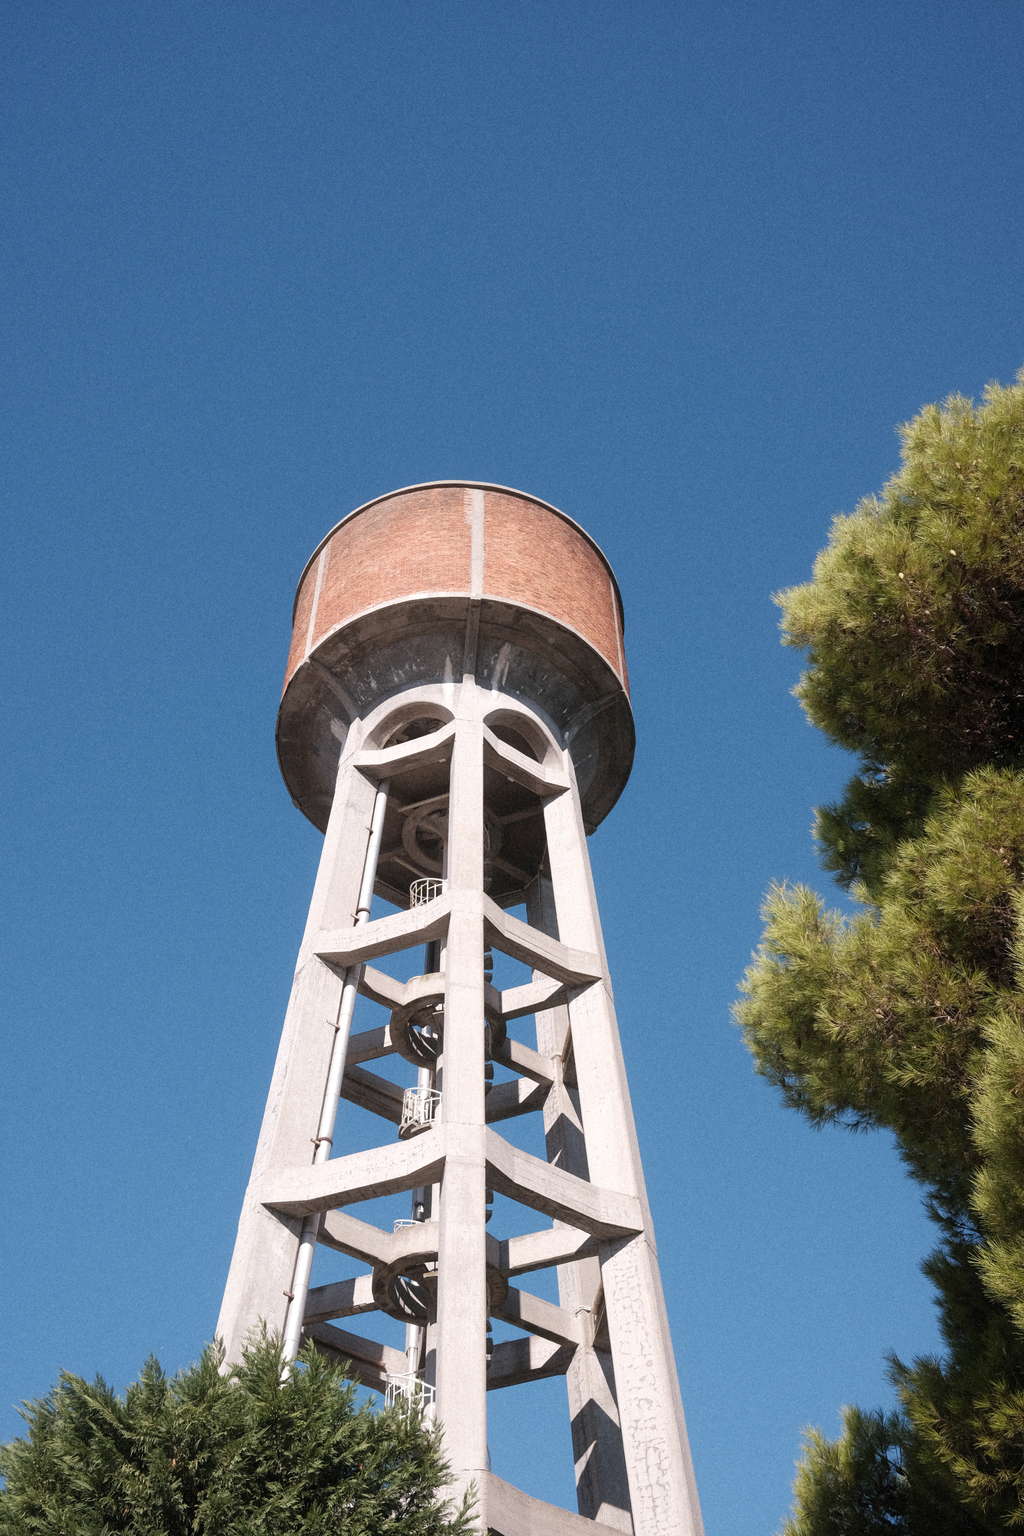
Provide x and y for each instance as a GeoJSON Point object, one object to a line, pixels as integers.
{"type": "Point", "coordinates": [429, 582]}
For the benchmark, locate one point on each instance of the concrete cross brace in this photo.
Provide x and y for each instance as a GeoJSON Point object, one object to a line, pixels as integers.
{"type": "Point", "coordinates": [534, 1315]}
{"type": "Point", "coordinates": [514, 1003]}
{"type": "Point", "coordinates": [513, 1255]}
{"type": "Point", "coordinates": [372, 1092]}
{"type": "Point", "coordinates": [343, 1298]}
{"type": "Point", "coordinates": [381, 988]}
{"type": "Point", "coordinates": [529, 1063]}
{"type": "Point", "coordinates": [412, 1164]}
{"type": "Point", "coordinates": [535, 996]}
{"type": "Point", "coordinates": [345, 947]}
{"type": "Point", "coordinates": [536, 949]}
{"type": "Point", "coordinates": [359, 1239]}
{"type": "Point", "coordinates": [360, 1176]}
{"type": "Point", "coordinates": [563, 1196]}
{"type": "Point", "coordinates": [510, 1512]}
{"type": "Point", "coordinates": [371, 1045]}
{"type": "Point", "coordinates": [519, 1360]}
{"type": "Point", "coordinates": [506, 1100]}
{"type": "Point", "coordinates": [520, 769]}
{"type": "Point", "coordinates": [372, 1362]}
{"type": "Point", "coordinates": [541, 1250]}
{"type": "Point", "coordinates": [389, 762]}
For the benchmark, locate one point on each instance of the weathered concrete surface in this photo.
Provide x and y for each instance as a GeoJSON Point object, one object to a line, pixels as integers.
{"type": "Point", "coordinates": [462, 1297]}
{"type": "Point", "coordinates": [343, 1298]}
{"type": "Point", "coordinates": [510, 1512]}
{"type": "Point", "coordinates": [360, 1176]}
{"type": "Point", "coordinates": [662, 1486]}
{"type": "Point", "coordinates": [372, 1362]}
{"type": "Point", "coordinates": [543, 1318]}
{"type": "Point", "coordinates": [543, 1250]}
{"type": "Point", "coordinates": [267, 1243]}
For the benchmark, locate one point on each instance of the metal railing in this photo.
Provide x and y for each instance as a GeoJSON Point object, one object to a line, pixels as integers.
{"type": "Point", "coordinates": [419, 1110]}
{"type": "Point", "coordinates": [410, 1391]}
{"type": "Point", "coordinates": [422, 891]}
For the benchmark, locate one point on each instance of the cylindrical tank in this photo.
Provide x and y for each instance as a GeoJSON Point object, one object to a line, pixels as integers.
{"type": "Point", "coordinates": [428, 583]}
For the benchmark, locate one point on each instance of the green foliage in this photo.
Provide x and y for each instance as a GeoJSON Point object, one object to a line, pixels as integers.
{"type": "Point", "coordinates": [868, 1483]}
{"type": "Point", "coordinates": [914, 626]}
{"type": "Point", "coordinates": [880, 1019]}
{"type": "Point", "coordinates": [913, 622]}
{"type": "Point", "coordinates": [209, 1454]}
{"type": "Point", "coordinates": [909, 1015]}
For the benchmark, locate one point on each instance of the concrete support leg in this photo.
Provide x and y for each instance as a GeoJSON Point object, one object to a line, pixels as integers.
{"type": "Point", "coordinates": [460, 1335]}
{"type": "Point", "coordinates": [662, 1487]}
{"type": "Point", "coordinates": [602, 1488]}
{"type": "Point", "coordinates": [264, 1258]}
{"type": "Point", "coordinates": [261, 1268]}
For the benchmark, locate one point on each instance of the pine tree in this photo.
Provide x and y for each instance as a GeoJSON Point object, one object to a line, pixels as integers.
{"type": "Point", "coordinates": [909, 1015]}
{"type": "Point", "coordinates": [213, 1454]}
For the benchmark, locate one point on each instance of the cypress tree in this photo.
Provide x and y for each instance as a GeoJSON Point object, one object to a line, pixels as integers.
{"type": "Point", "coordinates": [909, 1014]}
{"type": "Point", "coordinates": [212, 1454]}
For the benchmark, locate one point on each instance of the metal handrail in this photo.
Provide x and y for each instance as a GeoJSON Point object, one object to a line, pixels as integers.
{"type": "Point", "coordinates": [410, 1390]}
{"type": "Point", "coordinates": [419, 1110]}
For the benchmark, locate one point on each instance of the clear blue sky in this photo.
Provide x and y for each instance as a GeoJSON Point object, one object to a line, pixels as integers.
{"type": "Point", "coordinates": [678, 269]}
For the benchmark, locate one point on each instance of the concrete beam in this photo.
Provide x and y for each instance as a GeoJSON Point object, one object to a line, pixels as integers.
{"type": "Point", "coordinates": [371, 1045]}
{"type": "Point", "coordinates": [535, 1315]}
{"type": "Point", "coordinates": [519, 1360]}
{"type": "Point", "coordinates": [361, 1176]}
{"type": "Point", "coordinates": [378, 1361]}
{"type": "Point", "coordinates": [529, 945]}
{"type": "Point", "coordinates": [564, 1197]}
{"type": "Point", "coordinates": [387, 762]}
{"type": "Point", "coordinates": [533, 997]}
{"type": "Point", "coordinates": [540, 1250]}
{"type": "Point", "coordinates": [521, 769]}
{"type": "Point", "coordinates": [510, 1512]}
{"type": "Point", "coordinates": [419, 1237]}
{"type": "Point", "coordinates": [516, 1098]}
{"type": "Point", "coordinates": [374, 1093]}
{"type": "Point", "coordinates": [360, 1240]}
{"type": "Point", "coordinates": [520, 1058]}
{"type": "Point", "coordinates": [381, 988]}
{"type": "Point", "coordinates": [385, 935]}
{"type": "Point", "coordinates": [343, 1298]}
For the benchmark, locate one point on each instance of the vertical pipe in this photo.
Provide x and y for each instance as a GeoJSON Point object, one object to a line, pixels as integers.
{"type": "Point", "coordinates": [335, 1077]}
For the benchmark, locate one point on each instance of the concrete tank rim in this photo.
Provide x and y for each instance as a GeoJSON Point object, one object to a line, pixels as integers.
{"type": "Point", "coordinates": [469, 485]}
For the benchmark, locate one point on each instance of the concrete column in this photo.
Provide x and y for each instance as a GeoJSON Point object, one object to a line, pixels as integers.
{"type": "Point", "coordinates": [602, 1488]}
{"type": "Point", "coordinates": [267, 1242]}
{"type": "Point", "coordinates": [460, 1334]}
{"type": "Point", "coordinates": [663, 1492]}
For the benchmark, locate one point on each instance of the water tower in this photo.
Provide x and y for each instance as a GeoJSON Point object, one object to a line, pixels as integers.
{"type": "Point", "coordinates": [456, 721]}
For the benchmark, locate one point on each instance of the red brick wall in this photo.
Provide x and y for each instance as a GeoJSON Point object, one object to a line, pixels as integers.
{"type": "Point", "coordinates": [420, 541]}
{"type": "Point", "coordinates": [300, 628]}
{"type": "Point", "coordinates": [535, 558]}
